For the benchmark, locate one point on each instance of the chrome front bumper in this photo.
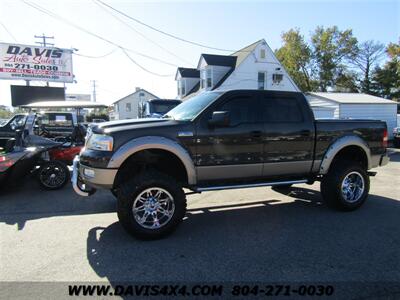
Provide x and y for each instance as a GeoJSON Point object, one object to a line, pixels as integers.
{"type": "Point", "coordinates": [79, 187]}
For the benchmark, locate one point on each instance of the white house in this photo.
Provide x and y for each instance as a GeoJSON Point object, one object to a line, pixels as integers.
{"type": "Point", "coordinates": [353, 106]}
{"type": "Point", "coordinates": [127, 107]}
{"type": "Point", "coordinates": [253, 67]}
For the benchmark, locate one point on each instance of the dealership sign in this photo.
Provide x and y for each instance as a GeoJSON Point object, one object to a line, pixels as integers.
{"type": "Point", "coordinates": [35, 63]}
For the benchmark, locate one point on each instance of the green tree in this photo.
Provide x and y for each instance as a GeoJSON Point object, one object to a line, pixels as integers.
{"type": "Point", "coordinates": [386, 79]}
{"type": "Point", "coordinates": [368, 55]}
{"type": "Point", "coordinates": [332, 48]}
{"type": "Point", "coordinates": [5, 113]}
{"type": "Point", "coordinates": [296, 57]}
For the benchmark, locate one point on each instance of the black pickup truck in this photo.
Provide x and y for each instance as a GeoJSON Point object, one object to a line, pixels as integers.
{"type": "Point", "coordinates": [225, 140]}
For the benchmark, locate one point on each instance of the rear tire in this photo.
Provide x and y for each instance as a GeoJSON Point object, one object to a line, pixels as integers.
{"type": "Point", "coordinates": [156, 195]}
{"type": "Point", "coordinates": [346, 186]}
{"type": "Point", "coordinates": [53, 175]}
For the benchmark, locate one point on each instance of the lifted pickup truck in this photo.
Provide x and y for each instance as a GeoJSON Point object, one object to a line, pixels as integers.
{"type": "Point", "coordinates": [225, 140]}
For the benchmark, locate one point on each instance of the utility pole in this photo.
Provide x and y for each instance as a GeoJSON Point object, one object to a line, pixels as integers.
{"type": "Point", "coordinates": [44, 43]}
{"type": "Point", "coordinates": [94, 90]}
{"type": "Point", "coordinates": [43, 37]}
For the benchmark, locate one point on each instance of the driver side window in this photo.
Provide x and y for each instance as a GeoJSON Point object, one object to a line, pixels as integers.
{"type": "Point", "coordinates": [242, 110]}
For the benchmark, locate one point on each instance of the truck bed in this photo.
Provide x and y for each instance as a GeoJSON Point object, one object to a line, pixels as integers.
{"type": "Point", "coordinates": [327, 131]}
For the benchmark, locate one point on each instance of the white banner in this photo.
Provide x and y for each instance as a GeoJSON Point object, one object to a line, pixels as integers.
{"type": "Point", "coordinates": [35, 63]}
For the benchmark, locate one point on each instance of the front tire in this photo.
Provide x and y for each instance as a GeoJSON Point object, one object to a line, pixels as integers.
{"type": "Point", "coordinates": [151, 205]}
{"type": "Point", "coordinates": [346, 186]}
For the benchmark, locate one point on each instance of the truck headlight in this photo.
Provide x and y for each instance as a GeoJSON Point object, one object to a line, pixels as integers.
{"type": "Point", "coordinates": [100, 142]}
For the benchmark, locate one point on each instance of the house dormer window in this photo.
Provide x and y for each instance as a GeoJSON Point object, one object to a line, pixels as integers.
{"type": "Point", "coordinates": [209, 78]}
{"type": "Point", "coordinates": [181, 88]}
{"type": "Point", "coordinates": [206, 80]}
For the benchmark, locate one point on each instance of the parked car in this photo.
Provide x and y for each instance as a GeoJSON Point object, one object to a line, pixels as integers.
{"type": "Point", "coordinates": [156, 108]}
{"type": "Point", "coordinates": [20, 158]}
{"type": "Point", "coordinates": [225, 140]}
{"type": "Point", "coordinates": [49, 124]}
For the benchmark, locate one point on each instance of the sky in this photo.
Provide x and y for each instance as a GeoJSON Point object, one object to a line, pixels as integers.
{"type": "Point", "coordinates": [229, 25]}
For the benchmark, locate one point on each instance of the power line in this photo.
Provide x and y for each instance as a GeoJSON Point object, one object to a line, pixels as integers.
{"type": "Point", "coordinates": [141, 34]}
{"type": "Point", "coordinates": [60, 18]}
{"type": "Point", "coordinates": [100, 56]}
{"type": "Point", "coordinates": [161, 31]}
{"type": "Point", "coordinates": [143, 68]}
{"type": "Point", "coordinates": [8, 31]}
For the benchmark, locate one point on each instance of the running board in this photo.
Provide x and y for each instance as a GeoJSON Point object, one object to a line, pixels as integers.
{"type": "Point", "coordinates": [244, 186]}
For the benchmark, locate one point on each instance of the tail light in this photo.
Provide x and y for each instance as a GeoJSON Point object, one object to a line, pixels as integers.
{"type": "Point", "coordinates": [385, 139]}
{"type": "Point", "coordinates": [5, 163]}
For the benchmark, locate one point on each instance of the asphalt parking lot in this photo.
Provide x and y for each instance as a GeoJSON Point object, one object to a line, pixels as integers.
{"type": "Point", "coordinates": [237, 235]}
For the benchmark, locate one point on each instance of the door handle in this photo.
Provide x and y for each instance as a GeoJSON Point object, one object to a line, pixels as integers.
{"type": "Point", "coordinates": [256, 134]}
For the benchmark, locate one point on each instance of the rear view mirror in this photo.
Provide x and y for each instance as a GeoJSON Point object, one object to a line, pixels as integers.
{"type": "Point", "coordinates": [219, 119]}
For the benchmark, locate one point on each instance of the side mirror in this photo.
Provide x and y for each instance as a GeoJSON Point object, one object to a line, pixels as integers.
{"type": "Point", "coordinates": [13, 127]}
{"type": "Point", "coordinates": [219, 119]}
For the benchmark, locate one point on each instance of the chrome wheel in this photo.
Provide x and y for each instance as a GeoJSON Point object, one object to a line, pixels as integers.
{"type": "Point", "coordinates": [153, 208]}
{"type": "Point", "coordinates": [353, 187]}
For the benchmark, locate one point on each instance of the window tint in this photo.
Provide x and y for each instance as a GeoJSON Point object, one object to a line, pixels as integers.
{"type": "Point", "coordinates": [241, 110]}
{"type": "Point", "coordinates": [281, 110]}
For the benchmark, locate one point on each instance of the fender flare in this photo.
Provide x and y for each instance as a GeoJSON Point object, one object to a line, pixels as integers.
{"type": "Point", "coordinates": [154, 142]}
{"type": "Point", "coordinates": [339, 144]}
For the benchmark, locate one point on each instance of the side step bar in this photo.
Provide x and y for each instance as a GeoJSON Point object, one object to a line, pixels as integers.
{"type": "Point", "coordinates": [244, 186]}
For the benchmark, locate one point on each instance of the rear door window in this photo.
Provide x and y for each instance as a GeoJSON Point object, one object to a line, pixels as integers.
{"type": "Point", "coordinates": [281, 110]}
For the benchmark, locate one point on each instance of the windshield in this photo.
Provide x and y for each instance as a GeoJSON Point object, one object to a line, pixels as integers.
{"type": "Point", "coordinates": [162, 108]}
{"type": "Point", "coordinates": [189, 109]}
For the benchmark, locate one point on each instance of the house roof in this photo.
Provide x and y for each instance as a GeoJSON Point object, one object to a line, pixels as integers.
{"type": "Point", "coordinates": [219, 60]}
{"type": "Point", "coordinates": [138, 91]}
{"type": "Point", "coordinates": [233, 61]}
{"type": "Point", "coordinates": [351, 98]}
{"type": "Point", "coordinates": [189, 72]}
{"type": "Point", "coordinates": [243, 53]}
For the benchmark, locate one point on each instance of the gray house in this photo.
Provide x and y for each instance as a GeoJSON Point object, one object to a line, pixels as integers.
{"type": "Point", "coordinates": [127, 107]}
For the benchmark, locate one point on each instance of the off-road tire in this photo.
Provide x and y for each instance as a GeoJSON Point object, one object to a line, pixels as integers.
{"type": "Point", "coordinates": [331, 185]}
{"type": "Point", "coordinates": [62, 170]}
{"type": "Point", "coordinates": [129, 190]}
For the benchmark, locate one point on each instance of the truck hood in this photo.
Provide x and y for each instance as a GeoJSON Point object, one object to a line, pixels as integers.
{"type": "Point", "coordinates": [122, 125]}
